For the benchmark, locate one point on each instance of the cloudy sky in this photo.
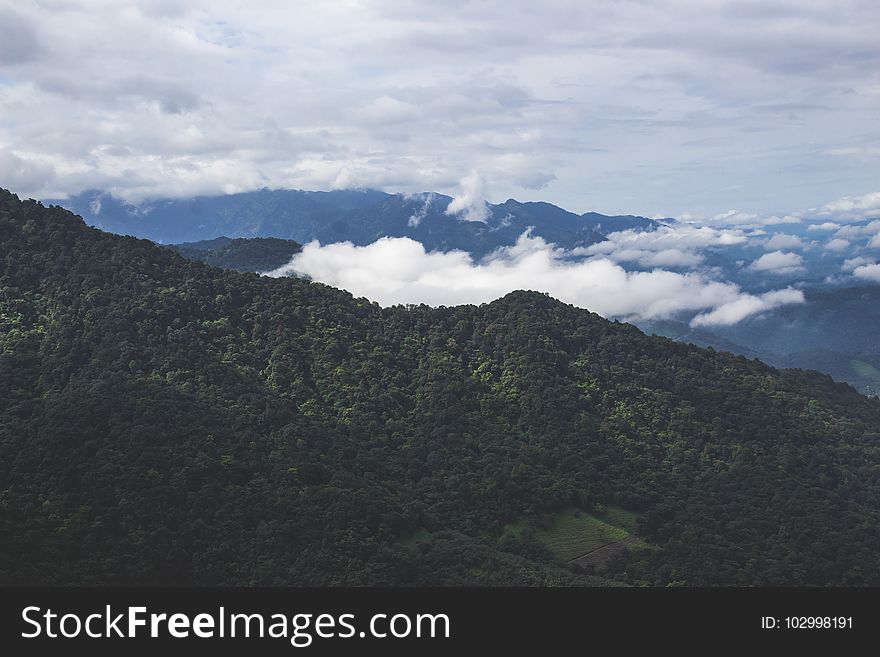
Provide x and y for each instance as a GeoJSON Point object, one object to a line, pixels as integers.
{"type": "Point", "coordinates": [670, 107]}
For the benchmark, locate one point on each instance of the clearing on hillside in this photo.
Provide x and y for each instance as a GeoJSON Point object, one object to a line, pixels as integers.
{"type": "Point", "coordinates": [578, 537]}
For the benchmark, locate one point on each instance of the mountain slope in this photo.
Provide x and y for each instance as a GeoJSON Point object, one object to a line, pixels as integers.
{"type": "Point", "coordinates": [251, 255]}
{"type": "Point", "coordinates": [360, 217]}
{"type": "Point", "coordinates": [833, 331]}
{"type": "Point", "coordinates": [843, 320]}
{"type": "Point", "coordinates": [169, 422]}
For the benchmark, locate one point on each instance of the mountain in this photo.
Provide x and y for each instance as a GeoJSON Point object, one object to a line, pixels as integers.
{"type": "Point", "coordinates": [168, 422]}
{"type": "Point", "coordinates": [862, 371]}
{"type": "Point", "coordinates": [285, 214]}
{"type": "Point", "coordinates": [833, 331]}
{"type": "Point", "coordinates": [254, 255]}
{"type": "Point", "coordinates": [360, 217]}
{"type": "Point", "coordinates": [843, 319]}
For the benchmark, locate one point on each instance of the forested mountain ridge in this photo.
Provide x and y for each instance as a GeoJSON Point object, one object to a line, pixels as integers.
{"type": "Point", "coordinates": [257, 254]}
{"type": "Point", "coordinates": [168, 422]}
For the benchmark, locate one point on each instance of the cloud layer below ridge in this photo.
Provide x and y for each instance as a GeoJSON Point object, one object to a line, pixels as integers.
{"type": "Point", "coordinates": [400, 271]}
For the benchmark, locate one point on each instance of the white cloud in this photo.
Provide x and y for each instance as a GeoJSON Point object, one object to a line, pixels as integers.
{"type": "Point", "coordinates": [425, 199]}
{"type": "Point", "coordinates": [664, 258]}
{"type": "Point", "coordinates": [677, 245]}
{"type": "Point", "coordinates": [734, 217]}
{"type": "Point", "coordinates": [95, 206]}
{"type": "Point", "coordinates": [398, 270]}
{"type": "Point", "coordinates": [749, 219]}
{"type": "Point", "coordinates": [679, 236]}
{"type": "Point", "coordinates": [875, 242]}
{"type": "Point", "coordinates": [644, 257]}
{"type": "Point", "coordinates": [862, 152]}
{"type": "Point", "coordinates": [837, 245]}
{"type": "Point", "coordinates": [386, 110]}
{"type": "Point", "coordinates": [469, 202]}
{"type": "Point", "coordinates": [22, 173]}
{"type": "Point", "coordinates": [858, 207]}
{"type": "Point", "coordinates": [828, 225]}
{"type": "Point", "coordinates": [783, 241]}
{"type": "Point", "coordinates": [778, 262]}
{"type": "Point", "coordinates": [851, 263]}
{"type": "Point", "coordinates": [855, 231]}
{"type": "Point", "coordinates": [868, 272]}
{"type": "Point", "coordinates": [747, 305]}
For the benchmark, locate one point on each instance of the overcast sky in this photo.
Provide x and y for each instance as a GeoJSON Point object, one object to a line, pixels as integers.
{"type": "Point", "coordinates": [665, 107]}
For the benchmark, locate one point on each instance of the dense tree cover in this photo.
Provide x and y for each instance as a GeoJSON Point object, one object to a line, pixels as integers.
{"type": "Point", "coordinates": [862, 371]}
{"type": "Point", "coordinates": [258, 254]}
{"type": "Point", "coordinates": [163, 421]}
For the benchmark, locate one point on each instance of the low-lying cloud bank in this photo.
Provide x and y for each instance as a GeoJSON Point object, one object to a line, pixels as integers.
{"type": "Point", "coordinates": [668, 246]}
{"type": "Point", "coordinates": [778, 262]}
{"type": "Point", "coordinates": [854, 208]}
{"type": "Point", "coordinates": [399, 271]}
{"type": "Point", "coordinates": [868, 272]}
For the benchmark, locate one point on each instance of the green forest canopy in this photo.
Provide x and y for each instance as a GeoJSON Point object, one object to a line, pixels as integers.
{"type": "Point", "coordinates": [164, 421]}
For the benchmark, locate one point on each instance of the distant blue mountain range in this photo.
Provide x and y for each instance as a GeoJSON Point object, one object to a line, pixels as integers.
{"type": "Point", "coordinates": [834, 331]}
{"type": "Point", "coordinates": [360, 217]}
